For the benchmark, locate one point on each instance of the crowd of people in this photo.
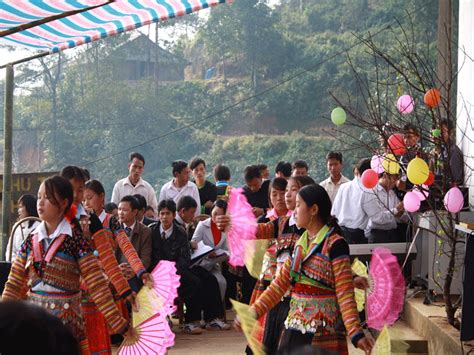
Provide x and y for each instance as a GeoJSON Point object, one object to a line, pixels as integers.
{"type": "Point", "coordinates": [304, 295]}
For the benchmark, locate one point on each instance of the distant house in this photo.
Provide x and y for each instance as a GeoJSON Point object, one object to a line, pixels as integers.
{"type": "Point", "coordinates": [140, 58]}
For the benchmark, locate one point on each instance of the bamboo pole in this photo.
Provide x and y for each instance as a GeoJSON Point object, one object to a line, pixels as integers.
{"type": "Point", "coordinates": [7, 158]}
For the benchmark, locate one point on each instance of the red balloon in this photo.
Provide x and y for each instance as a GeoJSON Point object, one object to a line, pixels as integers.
{"type": "Point", "coordinates": [432, 98]}
{"type": "Point", "coordinates": [396, 144]}
{"type": "Point", "coordinates": [430, 179]}
{"type": "Point", "coordinates": [370, 178]}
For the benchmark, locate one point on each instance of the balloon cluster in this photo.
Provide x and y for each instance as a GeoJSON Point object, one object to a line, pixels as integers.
{"type": "Point", "coordinates": [418, 172]}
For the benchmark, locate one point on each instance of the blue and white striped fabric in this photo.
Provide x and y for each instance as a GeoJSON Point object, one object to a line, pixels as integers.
{"type": "Point", "coordinates": [107, 20]}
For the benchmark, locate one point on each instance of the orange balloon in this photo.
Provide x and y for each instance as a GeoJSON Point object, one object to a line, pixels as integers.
{"type": "Point", "coordinates": [432, 98]}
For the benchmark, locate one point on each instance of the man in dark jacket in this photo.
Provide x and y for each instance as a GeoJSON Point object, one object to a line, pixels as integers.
{"type": "Point", "coordinates": [199, 290]}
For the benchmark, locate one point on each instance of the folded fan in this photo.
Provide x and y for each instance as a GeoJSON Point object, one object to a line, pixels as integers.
{"type": "Point", "coordinates": [243, 226]}
{"type": "Point", "coordinates": [359, 269]}
{"type": "Point", "coordinates": [250, 326]}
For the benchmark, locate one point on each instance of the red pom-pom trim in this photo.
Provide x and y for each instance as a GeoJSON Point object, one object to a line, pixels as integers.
{"type": "Point", "coordinates": [71, 213]}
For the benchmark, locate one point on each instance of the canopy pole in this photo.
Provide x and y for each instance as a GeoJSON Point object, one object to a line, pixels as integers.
{"type": "Point", "coordinates": [7, 159]}
{"type": "Point", "coordinates": [19, 61]}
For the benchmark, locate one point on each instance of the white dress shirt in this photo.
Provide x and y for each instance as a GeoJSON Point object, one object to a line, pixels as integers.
{"type": "Point", "coordinates": [124, 187]}
{"type": "Point", "coordinates": [331, 187]}
{"type": "Point", "coordinates": [170, 191]}
{"type": "Point", "coordinates": [102, 216]}
{"type": "Point", "coordinates": [380, 206]}
{"type": "Point", "coordinates": [21, 232]}
{"type": "Point", "coordinates": [347, 206]}
{"type": "Point", "coordinates": [167, 232]}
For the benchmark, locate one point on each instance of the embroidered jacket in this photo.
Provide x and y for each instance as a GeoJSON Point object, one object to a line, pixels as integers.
{"type": "Point", "coordinates": [72, 260]}
{"type": "Point", "coordinates": [322, 297]}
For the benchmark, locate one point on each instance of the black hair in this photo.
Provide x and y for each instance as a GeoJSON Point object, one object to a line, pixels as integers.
{"type": "Point", "coordinates": [141, 201]}
{"type": "Point", "coordinates": [178, 166]}
{"type": "Point", "coordinates": [134, 205]}
{"type": "Point", "coordinates": [220, 204]}
{"type": "Point", "coordinates": [362, 165]}
{"type": "Point", "coordinates": [29, 202]}
{"type": "Point", "coordinates": [86, 173]}
{"type": "Point", "coordinates": [96, 186]}
{"type": "Point", "coordinates": [137, 156]}
{"type": "Point", "coordinates": [315, 194]}
{"type": "Point", "coordinates": [59, 188]}
{"type": "Point", "coordinates": [251, 172]}
{"type": "Point", "coordinates": [411, 127]}
{"type": "Point", "coordinates": [278, 184]}
{"type": "Point", "coordinates": [302, 180]}
{"type": "Point", "coordinates": [168, 204]}
{"type": "Point", "coordinates": [334, 155]}
{"type": "Point", "coordinates": [186, 202]}
{"type": "Point", "coordinates": [221, 173]}
{"type": "Point", "coordinates": [149, 208]}
{"type": "Point", "coordinates": [300, 164]}
{"type": "Point", "coordinates": [195, 163]}
{"type": "Point", "coordinates": [42, 330]}
{"type": "Point", "coordinates": [447, 123]}
{"type": "Point", "coordinates": [262, 167]}
{"type": "Point", "coordinates": [284, 167]}
{"type": "Point", "coordinates": [71, 172]}
{"type": "Point", "coordinates": [110, 207]}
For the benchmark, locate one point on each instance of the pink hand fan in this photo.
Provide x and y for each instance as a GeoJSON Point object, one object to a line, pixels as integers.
{"type": "Point", "coordinates": [166, 283]}
{"type": "Point", "coordinates": [153, 336]}
{"type": "Point", "coordinates": [243, 226]}
{"type": "Point", "coordinates": [387, 292]}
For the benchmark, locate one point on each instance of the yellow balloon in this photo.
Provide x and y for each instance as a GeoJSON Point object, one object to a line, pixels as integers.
{"type": "Point", "coordinates": [417, 171]}
{"type": "Point", "coordinates": [390, 164]}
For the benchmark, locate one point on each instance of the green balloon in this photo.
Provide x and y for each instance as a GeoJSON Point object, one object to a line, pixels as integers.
{"type": "Point", "coordinates": [338, 116]}
{"type": "Point", "coordinates": [436, 132]}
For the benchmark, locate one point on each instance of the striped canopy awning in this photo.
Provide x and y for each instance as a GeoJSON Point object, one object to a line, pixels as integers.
{"type": "Point", "coordinates": [54, 25]}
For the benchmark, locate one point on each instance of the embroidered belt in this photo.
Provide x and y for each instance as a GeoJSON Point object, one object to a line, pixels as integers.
{"type": "Point", "coordinates": [311, 290]}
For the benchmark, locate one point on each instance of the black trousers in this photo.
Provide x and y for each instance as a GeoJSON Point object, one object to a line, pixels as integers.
{"type": "Point", "coordinates": [354, 236]}
{"type": "Point", "coordinates": [201, 293]}
{"type": "Point", "coordinates": [385, 236]}
{"type": "Point", "coordinates": [248, 284]}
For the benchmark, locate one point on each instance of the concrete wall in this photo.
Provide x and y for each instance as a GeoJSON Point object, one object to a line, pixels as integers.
{"type": "Point", "coordinates": [465, 104]}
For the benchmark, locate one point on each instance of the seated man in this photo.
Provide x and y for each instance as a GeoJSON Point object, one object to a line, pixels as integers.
{"type": "Point", "coordinates": [185, 217]}
{"type": "Point", "coordinates": [198, 289]}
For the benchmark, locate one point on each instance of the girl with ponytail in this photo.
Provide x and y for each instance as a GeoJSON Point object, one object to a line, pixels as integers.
{"type": "Point", "coordinates": [319, 276]}
{"type": "Point", "coordinates": [53, 260]}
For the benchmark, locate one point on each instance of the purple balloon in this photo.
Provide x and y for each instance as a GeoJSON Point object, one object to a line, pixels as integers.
{"type": "Point", "coordinates": [454, 200]}
{"type": "Point", "coordinates": [405, 104]}
{"type": "Point", "coordinates": [376, 164]}
{"type": "Point", "coordinates": [411, 202]}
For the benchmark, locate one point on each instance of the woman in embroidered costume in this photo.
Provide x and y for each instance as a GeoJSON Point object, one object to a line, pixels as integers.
{"type": "Point", "coordinates": [96, 325]}
{"type": "Point", "coordinates": [282, 233]}
{"type": "Point", "coordinates": [319, 274]}
{"type": "Point", "coordinates": [51, 262]}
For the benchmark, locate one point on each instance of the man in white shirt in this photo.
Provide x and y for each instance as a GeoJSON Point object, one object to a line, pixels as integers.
{"type": "Point", "coordinates": [335, 179]}
{"type": "Point", "coordinates": [180, 185]}
{"type": "Point", "coordinates": [134, 184]}
{"type": "Point", "coordinates": [384, 209]}
{"type": "Point", "coordinates": [348, 206]}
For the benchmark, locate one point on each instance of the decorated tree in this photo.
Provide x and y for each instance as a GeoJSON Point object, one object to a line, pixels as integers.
{"type": "Point", "coordinates": [406, 87]}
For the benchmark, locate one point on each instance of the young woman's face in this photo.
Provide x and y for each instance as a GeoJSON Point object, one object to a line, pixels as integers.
{"type": "Point", "coordinates": [277, 198]}
{"type": "Point", "coordinates": [290, 194]}
{"type": "Point", "coordinates": [22, 212]}
{"type": "Point", "coordinates": [78, 187]}
{"type": "Point", "coordinates": [47, 209]}
{"type": "Point", "coordinates": [93, 201]}
{"type": "Point", "coordinates": [216, 211]}
{"type": "Point", "coordinates": [302, 213]}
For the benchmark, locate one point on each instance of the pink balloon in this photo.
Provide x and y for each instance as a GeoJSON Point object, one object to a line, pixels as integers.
{"type": "Point", "coordinates": [405, 104]}
{"type": "Point", "coordinates": [411, 202]}
{"type": "Point", "coordinates": [369, 178]}
{"type": "Point", "coordinates": [422, 192]}
{"type": "Point", "coordinates": [454, 200]}
{"type": "Point", "coordinates": [376, 164]}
